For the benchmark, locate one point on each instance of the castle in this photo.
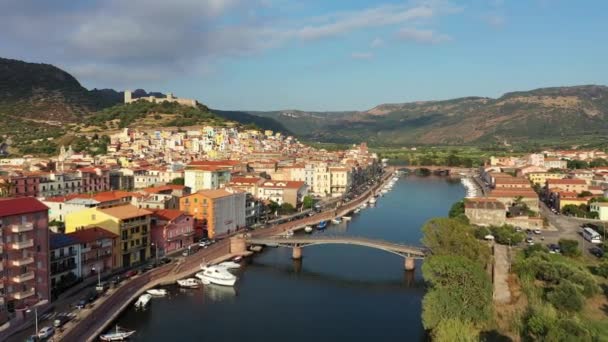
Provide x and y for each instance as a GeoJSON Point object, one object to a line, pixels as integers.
{"type": "Point", "coordinates": [186, 102]}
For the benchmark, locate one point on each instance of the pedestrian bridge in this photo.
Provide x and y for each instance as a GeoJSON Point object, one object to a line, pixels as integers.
{"type": "Point", "coordinates": [297, 243]}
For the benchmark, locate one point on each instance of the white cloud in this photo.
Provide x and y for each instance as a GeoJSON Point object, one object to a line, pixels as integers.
{"type": "Point", "coordinates": [376, 43]}
{"type": "Point", "coordinates": [362, 55]}
{"type": "Point", "coordinates": [422, 36]}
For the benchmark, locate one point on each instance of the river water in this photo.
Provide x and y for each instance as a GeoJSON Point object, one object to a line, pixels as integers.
{"type": "Point", "coordinates": [335, 293]}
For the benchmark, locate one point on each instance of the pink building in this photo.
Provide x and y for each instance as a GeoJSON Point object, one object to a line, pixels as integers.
{"type": "Point", "coordinates": [95, 179]}
{"type": "Point", "coordinates": [97, 250]}
{"type": "Point", "coordinates": [24, 242]}
{"type": "Point", "coordinates": [21, 185]}
{"type": "Point", "coordinates": [171, 230]}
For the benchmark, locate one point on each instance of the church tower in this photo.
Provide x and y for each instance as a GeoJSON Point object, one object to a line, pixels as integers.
{"type": "Point", "coordinates": [128, 98]}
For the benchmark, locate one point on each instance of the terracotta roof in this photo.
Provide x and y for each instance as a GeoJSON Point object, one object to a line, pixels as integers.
{"type": "Point", "coordinates": [282, 184]}
{"type": "Point", "coordinates": [18, 206]}
{"type": "Point", "coordinates": [91, 234]}
{"type": "Point", "coordinates": [168, 214]}
{"type": "Point", "coordinates": [219, 193]}
{"type": "Point", "coordinates": [157, 189]}
{"type": "Point", "coordinates": [244, 180]}
{"type": "Point", "coordinates": [566, 181]}
{"type": "Point", "coordinates": [483, 203]}
{"type": "Point", "coordinates": [513, 180]}
{"type": "Point", "coordinates": [513, 194]}
{"type": "Point", "coordinates": [207, 168]}
{"type": "Point", "coordinates": [125, 211]}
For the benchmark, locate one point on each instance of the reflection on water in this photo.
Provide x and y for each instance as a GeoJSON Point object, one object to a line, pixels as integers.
{"type": "Point", "coordinates": [350, 293]}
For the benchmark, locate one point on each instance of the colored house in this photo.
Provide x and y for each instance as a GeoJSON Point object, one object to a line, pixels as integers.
{"type": "Point", "coordinates": [97, 247]}
{"type": "Point", "coordinates": [171, 230]}
{"type": "Point", "coordinates": [130, 223]}
{"type": "Point", "coordinates": [220, 210]}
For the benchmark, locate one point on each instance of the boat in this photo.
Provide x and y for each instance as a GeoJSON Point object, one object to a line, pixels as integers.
{"type": "Point", "coordinates": [322, 225]}
{"type": "Point", "coordinates": [228, 265]}
{"type": "Point", "coordinates": [337, 220]}
{"type": "Point", "coordinates": [237, 258]}
{"type": "Point", "coordinates": [143, 301]}
{"type": "Point", "coordinates": [217, 275]}
{"type": "Point", "coordinates": [190, 283]}
{"type": "Point", "coordinates": [357, 211]}
{"type": "Point", "coordinates": [372, 200]}
{"type": "Point", "coordinates": [308, 229]}
{"type": "Point", "coordinates": [347, 218]}
{"type": "Point", "coordinates": [157, 292]}
{"type": "Point", "coordinates": [117, 335]}
{"type": "Point", "coordinates": [288, 233]}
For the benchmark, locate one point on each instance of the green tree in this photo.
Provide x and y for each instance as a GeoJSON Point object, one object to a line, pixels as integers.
{"type": "Point", "coordinates": [455, 330]}
{"type": "Point", "coordinates": [481, 232]}
{"type": "Point", "coordinates": [457, 209]}
{"type": "Point", "coordinates": [444, 236]}
{"type": "Point", "coordinates": [459, 289]}
{"type": "Point", "coordinates": [566, 296]}
{"type": "Point", "coordinates": [602, 269]}
{"type": "Point", "coordinates": [308, 202]}
{"type": "Point", "coordinates": [577, 164]}
{"type": "Point", "coordinates": [585, 194]}
{"type": "Point", "coordinates": [506, 235]}
{"type": "Point", "coordinates": [178, 181]}
{"type": "Point", "coordinates": [569, 247]}
{"type": "Point", "coordinates": [286, 208]}
{"type": "Point", "coordinates": [598, 162]}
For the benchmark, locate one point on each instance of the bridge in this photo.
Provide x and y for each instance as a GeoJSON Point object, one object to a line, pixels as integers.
{"type": "Point", "coordinates": [410, 253]}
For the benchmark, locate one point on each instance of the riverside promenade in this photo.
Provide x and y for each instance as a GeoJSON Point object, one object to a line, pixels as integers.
{"type": "Point", "coordinates": [93, 321]}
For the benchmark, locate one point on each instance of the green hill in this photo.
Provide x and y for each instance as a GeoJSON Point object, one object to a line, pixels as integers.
{"type": "Point", "coordinates": [561, 115]}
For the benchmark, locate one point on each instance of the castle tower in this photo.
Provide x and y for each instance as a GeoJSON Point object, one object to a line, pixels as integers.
{"type": "Point", "coordinates": [128, 98]}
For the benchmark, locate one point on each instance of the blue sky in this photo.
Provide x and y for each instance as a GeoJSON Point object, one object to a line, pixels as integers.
{"type": "Point", "coordinates": [313, 54]}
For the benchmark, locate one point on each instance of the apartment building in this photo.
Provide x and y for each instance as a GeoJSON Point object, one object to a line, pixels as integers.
{"type": "Point", "coordinates": [97, 247]}
{"type": "Point", "coordinates": [171, 230]}
{"type": "Point", "coordinates": [65, 262]}
{"type": "Point", "coordinates": [24, 248]}
{"type": "Point", "coordinates": [206, 177]}
{"type": "Point", "coordinates": [221, 211]}
{"type": "Point", "coordinates": [291, 192]}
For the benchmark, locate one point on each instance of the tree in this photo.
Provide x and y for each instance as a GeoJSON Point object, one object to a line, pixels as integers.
{"type": "Point", "coordinates": [585, 194]}
{"type": "Point", "coordinates": [569, 247]}
{"type": "Point", "coordinates": [178, 181]}
{"type": "Point", "coordinates": [577, 164]}
{"type": "Point", "coordinates": [286, 208]}
{"type": "Point", "coordinates": [455, 330]}
{"type": "Point", "coordinates": [598, 162]}
{"type": "Point", "coordinates": [457, 209]}
{"type": "Point", "coordinates": [574, 210]}
{"type": "Point", "coordinates": [481, 232]}
{"type": "Point", "coordinates": [273, 206]}
{"type": "Point", "coordinates": [459, 289]}
{"type": "Point", "coordinates": [308, 202]}
{"type": "Point", "coordinates": [566, 297]}
{"type": "Point", "coordinates": [602, 269]}
{"type": "Point", "coordinates": [444, 236]}
{"type": "Point", "coordinates": [506, 235]}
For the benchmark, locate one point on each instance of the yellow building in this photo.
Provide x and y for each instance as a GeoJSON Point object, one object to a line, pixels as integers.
{"type": "Point", "coordinates": [540, 178]}
{"type": "Point", "coordinates": [130, 223]}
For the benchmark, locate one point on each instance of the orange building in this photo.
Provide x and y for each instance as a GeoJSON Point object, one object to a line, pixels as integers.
{"type": "Point", "coordinates": [222, 211]}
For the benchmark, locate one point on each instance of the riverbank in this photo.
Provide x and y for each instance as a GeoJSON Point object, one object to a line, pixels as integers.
{"type": "Point", "coordinates": [91, 322]}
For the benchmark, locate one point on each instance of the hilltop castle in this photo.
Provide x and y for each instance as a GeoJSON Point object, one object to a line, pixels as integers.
{"type": "Point", "coordinates": [186, 102]}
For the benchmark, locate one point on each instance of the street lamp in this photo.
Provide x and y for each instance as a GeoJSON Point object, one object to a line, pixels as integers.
{"type": "Point", "coordinates": [36, 315]}
{"type": "Point", "coordinates": [98, 275]}
{"type": "Point", "coordinates": [155, 252]}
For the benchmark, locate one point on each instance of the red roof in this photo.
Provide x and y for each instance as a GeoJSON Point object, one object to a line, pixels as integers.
{"type": "Point", "coordinates": [566, 181]}
{"type": "Point", "coordinates": [282, 184]}
{"type": "Point", "coordinates": [168, 214]}
{"type": "Point", "coordinates": [19, 206]}
{"type": "Point", "coordinates": [214, 163]}
{"type": "Point", "coordinates": [244, 180]}
{"type": "Point", "coordinates": [513, 194]}
{"type": "Point", "coordinates": [91, 234]}
{"type": "Point", "coordinates": [157, 189]}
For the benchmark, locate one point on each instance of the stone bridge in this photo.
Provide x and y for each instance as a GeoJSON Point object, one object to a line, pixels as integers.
{"type": "Point", "coordinates": [410, 253]}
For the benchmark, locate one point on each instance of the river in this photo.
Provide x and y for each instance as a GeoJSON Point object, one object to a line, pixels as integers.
{"type": "Point", "coordinates": [335, 293]}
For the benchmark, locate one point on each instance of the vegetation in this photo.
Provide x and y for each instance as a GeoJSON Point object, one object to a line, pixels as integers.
{"type": "Point", "coordinates": [504, 235]}
{"type": "Point", "coordinates": [581, 210]}
{"type": "Point", "coordinates": [569, 247]}
{"type": "Point", "coordinates": [178, 181]}
{"type": "Point", "coordinates": [308, 202]}
{"type": "Point", "coordinates": [458, 304]}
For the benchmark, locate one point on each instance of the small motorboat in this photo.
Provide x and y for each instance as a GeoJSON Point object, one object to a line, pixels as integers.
{"type": "Point", "coordinates": [237, 258]}
{"type": "Point", "coordinates": [189, 283]}
{"type": "Point", "coordinates": [372, 200]}
{"type": "Point", "coordinates": [157, 292]}
{"type": "Point", "coordinates": [117, 335]}
{"type": "Point", "coordinates": [288, 233]}
{"type": "Point", "coordinates": [322, 225]}
{"type": "Point", "coordinates": [308, 229]}
{"type": "Point", "coordinates": [337, 220]}
{"type": "Point", "coordinates": [143, 301]}
{"type": "Point", "coordinates": [229, 265]}
{"type": "Point", "coordinates": [217, 275]}
{"type": "Point", "coordinates": [357, 211]}
{"type": "Point", "coordinates": [347, 218]}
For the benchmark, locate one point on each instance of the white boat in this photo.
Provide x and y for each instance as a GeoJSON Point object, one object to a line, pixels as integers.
{"type": "Point", "coordinates": [364, 205]}
{"type": "Point", "coordinates": [347, 218]}
{"type": "Point", "coordinates": [190, 283]}
{"type": "Point", "coordinates": [372, 200]}
{"type": "Point", "coordinates": [157, 292]}
{"type": "Point", "coordinates": [357, 211]}
{"type": "Point", "coordinates": [143, 301]}
{"type": "Point", "coordinates": [237, 258]}
{"type": "Point", "coordinates": [117, 335]}
{"type": "Point", "coordinates": [308, 229]}
{"type": "Point", "coordinates": [336, 221]}
{"type": "Point", "coordinates": [229, 265]}
{"type": "Point", "coordinates": [217, 275]}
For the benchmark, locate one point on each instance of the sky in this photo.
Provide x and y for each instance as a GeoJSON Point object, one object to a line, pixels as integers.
{"type": "Point", "coordinates": [313, 54]}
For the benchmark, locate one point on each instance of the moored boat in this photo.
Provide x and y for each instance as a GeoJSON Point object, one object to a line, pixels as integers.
{"type": "Point", "coordinates": [228, 265]}
{"type": "Point", "coordinates": [337, 220]}
{"type": "Point", "coordinates": [347, 218]}
{"type": "Point", "coordinates": [143, 301]}
{"type": "Point", "coordinates": [322, 225]}
{"type": "Point", "coordinates": [117, 335]}
{"type": "Point", "coordinates": [372, 200]}
{"type": "Point", "coordinates": [237, 258]}
{"type": "Point", "coordinates": [189, 283]}
{"type": "Point", "coordinates": [217, 275]}
{"type": "Point", "coordinates": [357, 211]}
{"type": "Point", "coordinates": [308, 229]}
{"type": "Point", "coordinates": [157, 292]}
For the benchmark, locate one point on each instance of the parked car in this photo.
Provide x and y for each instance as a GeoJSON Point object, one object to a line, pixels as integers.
{"type": "Point", "coordinates": [92, 296]}
{"type": "Point", "coordinates": [46, 332]}
{"type": "Point", "coordinates": [102, 287]}
{"type": "Point", "coordinates": [597, 251]}
{"type": "Point", "coordinates": [61, 319]}
{"type": "Point", "coordinates": [529, 241]}
{"type": "Point", "coordinates": [553, 248]}
{"type": "Point", "coordinates": [32, 338]}
{"type": "Point", "coordinates": [537, 231]}
{"type": "Point", "coordinates": [81, 304]}
{"type": "Point", "coordinates": [130, 274]}
{"type": "Point", "coordinates": [165, 260]}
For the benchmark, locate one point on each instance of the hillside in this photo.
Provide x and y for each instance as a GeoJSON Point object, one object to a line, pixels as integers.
{"type": "Point", "coordinates": [548, 115]}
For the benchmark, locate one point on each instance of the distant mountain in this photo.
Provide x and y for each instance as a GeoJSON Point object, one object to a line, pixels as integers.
{"type": "Point", "coordinates": [547, 115]}
{"type": "Point", "coordinates": [251, 119]}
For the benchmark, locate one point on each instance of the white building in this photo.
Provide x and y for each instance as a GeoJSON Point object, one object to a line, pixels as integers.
{"type": "Point", "coordinates": [206, 178]}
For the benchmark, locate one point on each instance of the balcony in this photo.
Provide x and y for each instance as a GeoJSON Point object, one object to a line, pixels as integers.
{"type": "Point", "coordinates": [63, 256]}
{"type": "Point", "coordinates": [23, 244]}
{"type": "Point", "coordinates": [24, 277]}
{"type": "Point", "coordinates": [22, 262]}
{"type": "Point", "coordinates": [24, 294]}
{"type": "Point", "coordinates": [22, 228]}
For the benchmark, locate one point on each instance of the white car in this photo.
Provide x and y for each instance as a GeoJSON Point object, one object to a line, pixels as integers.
{"type": "Point", "coordinates": [536, 231]}
{"type": "Point", "coordinates": [46, 332]}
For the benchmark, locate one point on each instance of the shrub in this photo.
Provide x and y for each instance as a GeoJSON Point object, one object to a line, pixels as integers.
{"type": "Point", "coordinates": [569, 247]}
{"type": "Point", "coordinates": [566, 296]}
